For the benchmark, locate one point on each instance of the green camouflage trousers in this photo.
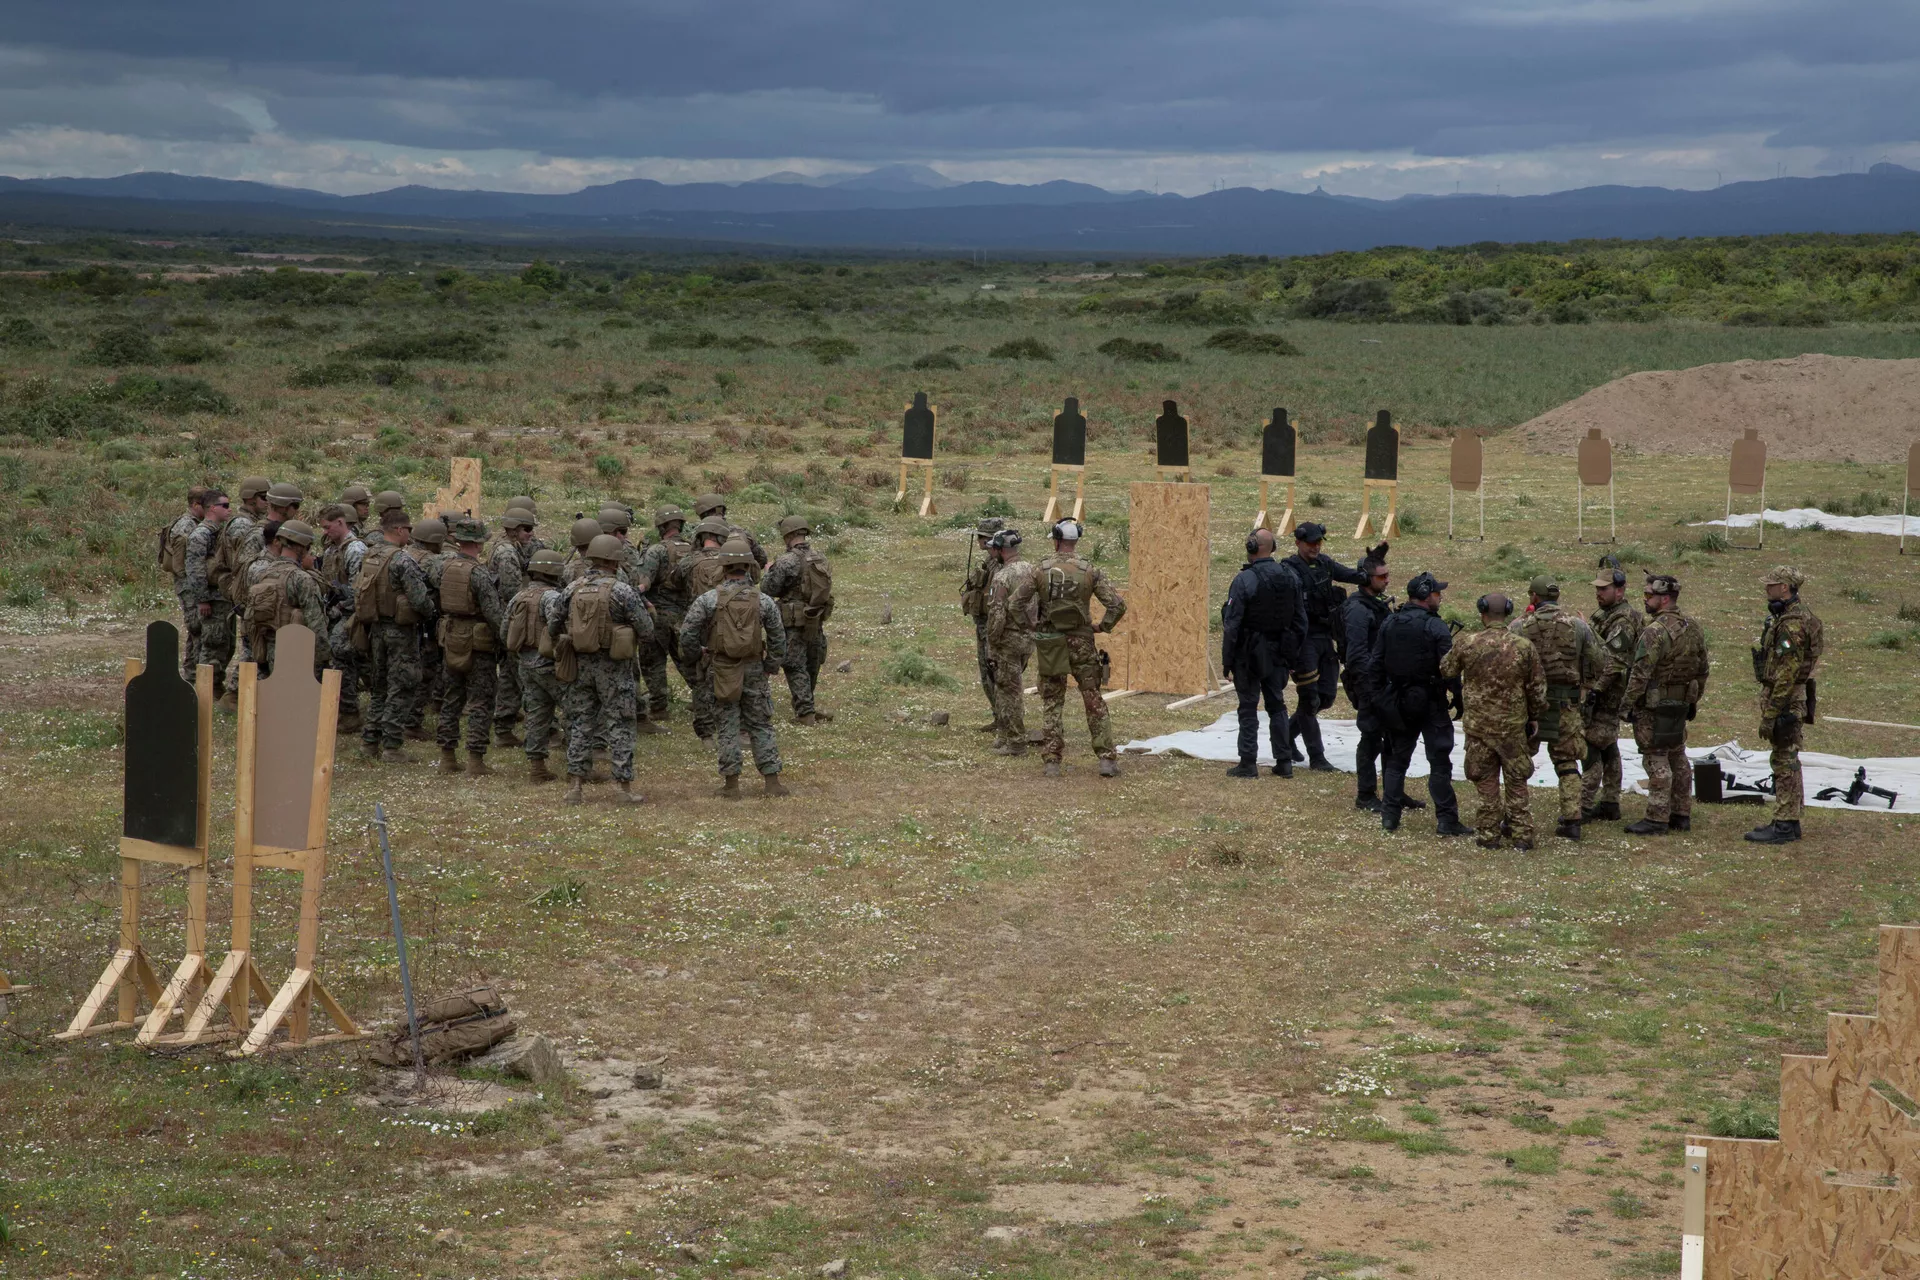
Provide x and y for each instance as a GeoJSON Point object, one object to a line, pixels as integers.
{"type": "Point", "coordinates": [189, 634]}
{"type": "Point", "coordinates": [983, 654]}
{"type": "Point", "coordinates": [1010, 690]}
{"type": "Point", "coordinates": [345, 659]}
{"type": "Point", "coordinates": [1788, 793]}
{"type": "Point", "coordinates": [216, 643]}
{"type": "Point", "coordinates": [1567, 749]}
{"type": "Point", "coordinates": [754, 713]}
{"type": "Point", "coordinates": [806, 654]}
{"type": "Point", "coordinates": [541, 697]}
{"type": "Point", "coordinates": [602, 704]}
{"type": "Point", "coordinates": [1084, 654]}
{"type": "Point", "coordinates": [1499, 768]}
{"type": "Point", "coordinates": [392, 669]}
{"type": "Point", "coordinates": [666, 634]}
{"type": "Point", "coordinates": [506, 691]}
{"type": "Point", "coordinates": [468, 693]}
{"type": "Point", "coordinates": [1669, 774]}
{"type": "Point", "coordinates": [432, 676]}
{"type": "Point", "coordinates": [1600, 783]}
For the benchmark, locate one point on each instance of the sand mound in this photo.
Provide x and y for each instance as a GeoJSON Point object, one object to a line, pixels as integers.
{"type": "Point", "coordinates": [1812, 408]}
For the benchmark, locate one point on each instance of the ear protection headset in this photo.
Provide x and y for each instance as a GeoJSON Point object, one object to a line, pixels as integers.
{"type": "Point", "coordinates": [1482, 605]}
{"type": "Point", "coordinates": [1612, 563]}
{"type": "Point", "coordinates": [1253, 544]}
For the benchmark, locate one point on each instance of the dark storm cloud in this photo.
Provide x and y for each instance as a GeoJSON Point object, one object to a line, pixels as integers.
{"type": "Point", "coordinates": [863, 79]}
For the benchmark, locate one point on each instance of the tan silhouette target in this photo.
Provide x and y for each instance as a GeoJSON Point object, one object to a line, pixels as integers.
{"type": "Point", "coordinates": [1747, 473]}
{"type": "Point", "coordinates": [288, 723]}
{"type": "Point", "coordinates": [1595, 463]}
{"type": "Point", "coordinates": [1466, 474]}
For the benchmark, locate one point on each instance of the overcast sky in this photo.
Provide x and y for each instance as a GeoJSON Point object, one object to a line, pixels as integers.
{"type": "Point", "coordinates": [1370, 97]}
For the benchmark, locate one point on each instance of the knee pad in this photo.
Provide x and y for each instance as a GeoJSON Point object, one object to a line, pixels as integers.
{"type": "Point", "coordinates": [1567, 770]}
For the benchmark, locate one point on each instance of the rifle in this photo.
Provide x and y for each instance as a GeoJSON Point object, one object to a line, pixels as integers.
{"type": "Point", "coordinates": [1859, 790]}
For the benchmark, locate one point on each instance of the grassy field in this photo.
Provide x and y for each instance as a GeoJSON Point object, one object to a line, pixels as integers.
{"type": "Point", "coordinates": [933, 1015]}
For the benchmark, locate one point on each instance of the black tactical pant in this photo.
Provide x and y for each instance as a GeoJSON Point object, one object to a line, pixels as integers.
{"type": "Point", "coordinates": [1372, 741]}
{"type": "Point", "coordinates": [1316, 655]}
{"type": "Point", "coordinates": [1260, 674]}
{"type": "Point", "coordinates": [1432, 727]}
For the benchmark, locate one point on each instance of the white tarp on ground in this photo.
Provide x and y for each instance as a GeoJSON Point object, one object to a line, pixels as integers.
{"type": "Point", "coordinates": [1899, 774]}
{"type": "Point", "coordinates": [1808, 517]}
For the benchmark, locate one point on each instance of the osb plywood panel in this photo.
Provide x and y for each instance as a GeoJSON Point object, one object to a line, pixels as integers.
{"type": "Point", "coordinates": [1166, 624]}
{"type": "Point", "coordinates": [1838, 1196]}
{"type": "Point", "coordinates": [462, 496]}
{"type": "Point", "coordinates": [288, 728]}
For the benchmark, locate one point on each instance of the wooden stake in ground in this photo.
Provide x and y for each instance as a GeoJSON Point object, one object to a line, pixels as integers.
{"type": "Point", "coordinates": [166, 799]}
{"type": "Point", "coordinates": [1747, 473]}
{"type": "Point", "coordinates": [1466, 473]}
{"type": "Point", "coordinates": [1278, 445]}
{"type": "Point", "coordinates": [1596, 471]}
{"type": "Point", "coordinates": [916, 450]}
{"type": "Point", "coordinates": [1069, 457]}
{"type": "Point", "coordinates": [1171, 450]}
{"type": "Point", "coordinates": [1383, 473]}
{"type": "Point", "coordinates": [462, 494]}
{"type": "Point", "coordinates": [283, 786]}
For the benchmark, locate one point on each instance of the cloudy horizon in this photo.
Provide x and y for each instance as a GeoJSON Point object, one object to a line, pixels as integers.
{"type": "Point", "coordinates": [1377, 97]}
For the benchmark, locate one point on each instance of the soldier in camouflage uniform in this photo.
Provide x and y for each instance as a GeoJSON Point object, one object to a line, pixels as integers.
{"type": "Point", "coordinates": [973, 603]}
{"type": "Point", "coordinates": [713, 506]}
{"type": "Point", "coordinates": [1061, 591]}
{"type": "Point", "coordinates": [511, 553]}
{"type": "Point", "coordinates": [1664, 687]}
{"type": "Point", "coordinates": [173, 559]}
{"type": "Point", "coordinates": [214, 641]}
{"type": "Point", "coordinates": [1785, 664]}
{"type": "Point", "coordinates": [1010, 633]}
{"type": "Point", "coordinates": [736, 630]}
{"type": "Point", "coordinates": [801, 583]}
{"type": "Point", "coordinates": [541, 693]}
{"type": "Point", "coordinates": [341, 552]}
{"type": "Point", "coordinates": [1572, 659]}
{"type": "Point", "coordinates": [473, 627]}
{"type": "Point", "coordinates": [392, 603]}
{"type": "Point", "coordinates": [285, 592]}
{"type": "Point", "coordinates": [603, 621]}
{"type": "Point", "coordinates": [669, 601]}
{"type": "Point", "coordinates": [1503, 694]}
{"type": "Point", "coordinates": [240, 543]}
{"type": "Point", "coordinates": [1616, 625]}
{"type": "Point", "coordinates": [427, 549]}
{"type": "Point", "coordinates": [698, 573]}
{"type": "Point", "coordinates": [580, 534]}
{"type": "Point", "coordinates": [618, 521]}
{"type": "Point", "coordinates": [358, 500]}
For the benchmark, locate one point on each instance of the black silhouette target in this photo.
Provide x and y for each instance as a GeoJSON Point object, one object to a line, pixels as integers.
{"type": "Point", "coordinates": [1070, 436]}
{"type": "Point", "coordinates": [1383, 449]}
{"type": "Point", "coordinates": [1170, 436]}
{"type": "Point", "coordinates": [916, 436]}
{"type": "Point", "coordinates": [162, 796]}
{"type": "Point", "coordinates": [1277, 442]}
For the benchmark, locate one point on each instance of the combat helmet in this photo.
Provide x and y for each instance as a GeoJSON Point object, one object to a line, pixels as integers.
{"type": "Point", "coordinates": [285, 495]}
{"type": "Point", "coordinates": [735, 551]}
{"type": "Point", "coordinates": [708, 502]}
{"type": "Point", "coordinates": [355, 494]}
{"type": "Point", "coordinates": [389, 500]}
{"type": "Point", "coordinates": [432, 531]}
{"type": "Point", "coordinates": [605, 547]}
{"type": "Point", "coordinates": [716, 528]}
{"type": "Point", "coordinates": [254, 487]}
{"type": "Point", "coordinates": [468, 529]}
{"type": "Point", "coordinates": [584, 530]}
{"type": "Point", "coordinates": [547, 563]}
{"type": "Point", "coordinates": [521, 502]}
{"type": "Point", "coordinates": [517, 518]}
{"type": "Point", "coordinates": [667, 515]}
{"type": "Point", "coordinates": [298, 532]}
{"type": "Point", "coordinates": [793, 524]}
{"type": "Point", "coordinates": [615, 518]}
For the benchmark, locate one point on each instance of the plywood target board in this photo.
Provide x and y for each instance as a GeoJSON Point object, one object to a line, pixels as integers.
{"type": "Point", "coordinates": [462, 495]}
{"type": "Point", "coordinates": [162, 788]}
{"type": "Point", "coordinates": [1070, 436]}
{"type": "Point", "coordinates": [1170, 437]}
{"type": "Point", "coordinates": [1279, 443]}
{"type": "Point", "coordinates": [1747, 468]}
{"type": "Point", "coordinates": [286, 746]}
{"type": "Point", "coordinates": [1465, 463]}
{"type": "Point", "coordinates": [1383, 448]}
{"type": "Point", "coordinates": [1165, 650]}
{"type": "Point", "coordinates": [916, 428]}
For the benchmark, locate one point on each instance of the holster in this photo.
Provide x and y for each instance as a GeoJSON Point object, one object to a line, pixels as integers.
{"type": "Point", "coordinates": [1669, 728]}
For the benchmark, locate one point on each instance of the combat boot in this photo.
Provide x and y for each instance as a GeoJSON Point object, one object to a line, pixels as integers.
{"type": "Point", "coordinates": [394, 755]}
{"type": "Point", "coordinates": [730, 787]}
{"type": "Point", "coordinates": [824, 717]}
{"type": "Point", "coordinates": [1412, 804]}
{"type": "Point", "coordinates": [774, 786]}
{"type": "Point", "coordinates": [574, 794]}
{"type": "Point", "coordinates": [415, 733]}
{"type": "Point", "coordinates": [1567, 829]}
{"type": "Point", "coordinates": [1245, 769]}
{"type": "Point", "coordinates": [1010, 749]}
{"type": "Point", "coordinates": [992, 726]}
{"type": "Point", "coordinates": [370, 751]}
{"type": "Point", "coordinates": [349, 722]}
{"type": "Point", "coordinates": [1647, 827]}
{"type": "Point", "coordinates": [647, 727]}
{"type": "Point", "coordinates": [1488, 842]}
{"type": "Point", "coordinates": [1452, 827]}
{"type": "Point", "coordinates": [1389, 820]}
{"type": "Point", "coordinates": [1052, 769]}
{"type": "Point", "coordinates": [1299, 756]}
{"type": "Point", "coordinates": [1680, 822]}
{"type": "Point", "coordinates": [1320, 764]}
{"type": "Point", "coordinates": [507, 738]}
{"type": "Point", "coordinates": [1523, 846]}
{"type": "Point", "coordinates": [449, 760]}
{"type": "Point", "coordinates": [1367, 802]}
{"type": "Point", "coordinates": [477, 766]}
{"type": "Point", "coordinates": [629, 795]}
{"type": "Point", "coordinates": [1605, 811]}
{"type": "Point", "coordinates": [1109, 768]}
{"type": "Point", "coordinates": [537, 770]}
{"type": "Point", "coordinates": [1776, 832]}
{"type": "Point", "coordinates": [1283, 768]}
{"type": "Point", "coordinates": [813, 718]}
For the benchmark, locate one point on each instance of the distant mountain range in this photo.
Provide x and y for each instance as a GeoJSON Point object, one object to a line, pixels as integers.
{"type": "Point", "coordinates": [913, 208]}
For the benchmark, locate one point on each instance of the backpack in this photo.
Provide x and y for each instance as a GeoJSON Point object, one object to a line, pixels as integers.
{"type": "Point", "coordinates": [810, 603]}
{"type": "Point", "coordinates": [1063, 587]}
{"type": "Point", "coordinates": [738, 634]}
{"type": "Point", "coordinates": [173, 551]}
{"type": "Point", "coordinates": [526, 628]}
{"type": "Point", "coordinates": [590, 616]}
{"type": "Point", "coordinates": [222, 565]}
{"type": "Point", "coordinates": [704, 573]}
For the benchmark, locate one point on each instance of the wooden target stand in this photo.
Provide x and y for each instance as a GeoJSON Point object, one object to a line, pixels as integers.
{"type": "Point", "coordinates": [166, 799]}
{"type": "Point", "coordinates": [1382, 475]}
{"type": "Point", "coordinates": [1596, 471]}
{"type": "Point", "coordinates": [283, 787]}
{"type": "Point", "coordinates": [917, 426]}
{"type": "Point", "coordinates": [1278, 442]}
{"type": "Point", "coordinates": [925, 467]}
{"type": "Point", "coordinates": [1054, 509]}
{"type": "Point", "coordinates": [1069, 458]}
{"type": "Point", "coordinates": [1747, 473]}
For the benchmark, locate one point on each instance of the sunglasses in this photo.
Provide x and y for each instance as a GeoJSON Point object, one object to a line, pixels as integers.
{"type": "Point", "coordinates": [219, 504]}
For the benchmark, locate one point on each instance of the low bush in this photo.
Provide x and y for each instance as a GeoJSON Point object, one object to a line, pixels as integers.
{"type": "Point", "coordinates": [1743, 1119]}
{"type": "Point", "coordinates": [1022, 349]}
{"type": "Point", "coordinates": [1139, 352]}
{"type": "Point", "coordinates": [17, 333]}
{"type": "Point", "coordinates": [120, 345]}
{"type": "Point", "coordinates": [1247, 342]}
{"type": "Point", "coordinates": [449, 344]}
{"type": "Point", "coordinates": [194, 351]}
{"type": "Point", "coordinates": [168, 394]}
{"type": "Point", "coordinates": [936, 360]}
{"type": "Point", "coordinates": [828, 350]}
{"type": "Point", "coordinates": [910, 666]}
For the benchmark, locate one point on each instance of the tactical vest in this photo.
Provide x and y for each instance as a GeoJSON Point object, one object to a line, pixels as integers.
{"type": "Point", "coordinates": [1006, 587]}
{"type": "Point", "coordinates": [333, 565]}
{"type": "Point", "coordinates": [1814, 640]}
{"type": "Point", "coordinates": [270, 600]}
{"type": "Point", "coordinates": [526, 626]}
{"type": "Point", "coordinates": [590, 616]}
{"type": "Point", "coordinates": [973, 591]}
{"type": "Point", "coordinates": [173, 551]}
{"type": "Point", "coordinates": [1683, 676]}
{"type": "Point", "coordinates": [662, 586]}
{"type": "Point", "coordinates": [463, 630]}
{"type": "Point", "coordinates": [1407, 652]}
{"type": "Point", "coordinates": [1064, 589]}
{"type": "Point", "coordinates": [704, 572]}
{"type": "Point", "coordinates": [1266, 611]}
{"type": "Point", "coordinates": [1323, 597]}
{"type": "Point", "coordinates": [223, 566]}
{"type": "Point", "coordinates": [738, 630]}
{"type": "Point", "coordinates": [1555, 636]}
{"type": "Point", "coordinates": [810, 600]}
{"type": "Point", "coordinates": [456, 587]}
{"type": "Point", "coordinates": [375, 598]}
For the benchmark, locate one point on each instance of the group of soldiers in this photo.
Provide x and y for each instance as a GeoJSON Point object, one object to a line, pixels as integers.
{"type": "Point", "coordinates": [1548, 677]}
{"type": "Point", "coordinates": [502, 627]}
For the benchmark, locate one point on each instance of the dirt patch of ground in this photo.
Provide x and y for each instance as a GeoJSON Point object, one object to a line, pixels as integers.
{"type": "Point", "coordinates": [1811, 408]}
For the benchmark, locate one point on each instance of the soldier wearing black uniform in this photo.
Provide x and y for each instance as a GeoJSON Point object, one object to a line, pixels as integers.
{"type": "Point", "coordinates": [1411, 698]}
{"type": "Point", "coordinates": [1361, 617]}
{"type": "Point", "coordinates": [1263, 626]}
{"type": "Point", "coordinates": [1316, 673]}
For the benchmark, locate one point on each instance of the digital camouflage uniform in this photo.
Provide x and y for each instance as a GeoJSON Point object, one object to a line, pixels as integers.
{"type": "Point", "coordinates": [215, 638]}
{"type": "Point", "coordinates": [699, 571]}
{"type": "Point", "coordinates": [432, 672]}
{"type": "Point", "coordinates": [973, 603]}
{"type": "Point", "coordinates": [469, 693]}
{"type": "Point", "coordinates": [182, 530]}
{"type": "Point", "coordinates": [1061, 590]}
{"type": "Point", "coordinates": [1010, 636]}
{"type": "Point", "coordinates": [541, 693]}
{"type": "Point", "coordinates": [806, 634]}
{"type": "Point", "coordinates": [1503, 688]}
{"type": "Point", "coordinates": [602, 703]}
{"type": "Point", "coordinates": [1570, 657]}
{"type": "Point", "coordinates": [752, 711]}
{"type": "Point", "coordinates": [339, 566]}
{"type": "Point", "coordinates": [1787, 657]}
{"type": "Point", "coordinates": [508, 560]}
{"type": "Point", "coordinates": [306, 603]}
{"type": "Point", "coordinates": [669, 599]}
{"type": "Point", "coordinates": [391, 661]}
{"type": "Point", "coordinates": [1617, 627]}
{"type": "Point", "coordinates": [1666, 681]}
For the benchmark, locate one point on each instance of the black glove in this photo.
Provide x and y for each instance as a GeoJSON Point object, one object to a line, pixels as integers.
{"type": "Point", "coordinates": [1589, 704]}
{"type": "Point", "coordinates": [1783, 726]}
{"type": "Point", "coordinates": [1691, 708]}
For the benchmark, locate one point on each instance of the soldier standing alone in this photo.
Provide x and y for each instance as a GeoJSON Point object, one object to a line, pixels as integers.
{"type": "Point", "coordinates": [801, 582]}
{"type": "Point", "coordinates": [1503, 694]}
{"type": "Point", "coordinates": [1010, 633]}
{"type": "Point", "coordinates": [1571, 658]}
{"type": "Point", "coordinates": [737, 629]}
{"type": "Point", "coordinates": [1263, 628]}
{"type": "Point", "coordinates": [1063, 588]}
{"type": "Point", "coordinates": [1664, 687]}
{"type": "Point", "coordinates": [973, 603]}
{"type": "Point", "coordinates": [1616, 625]}
{"type": "Point", "coordinates": [1785, 664]}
